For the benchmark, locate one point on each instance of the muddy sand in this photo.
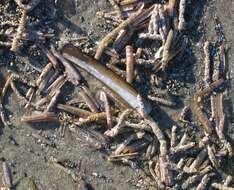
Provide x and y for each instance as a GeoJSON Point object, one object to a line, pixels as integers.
{"type": "Point", "coordinates": [29, 157]}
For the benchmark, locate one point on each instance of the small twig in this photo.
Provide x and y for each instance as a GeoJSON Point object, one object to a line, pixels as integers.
{"type": "Point", "coordinates": [130, 64]}
{"type": "Point", "coordinates": [6, 86]}
{"type": "Point", "coordinates": [44, 73]}
{"type": "Point", "coordinates": [89, 99]}
{"type": "Point", "coordinates": [122, 39]}
{"type": "Point", "coordinates": [40, 116]}
{"type": "Point", "coordinates": [117, 8]}
{"type": "Point", "coordinates": [156, 178]}
{"type": "Point", "coordinates": [121, 156]}
{"type": "Point", "coordinates": [173, 136]}
{"type": "Point", "coordinates": [219, 64]}
{"type": "Point", "coordinates": [53, 101]}
{"type": "Point", "coordinates": [151, 149]}
{"type": "Point", "coordinates": [104, 98]}
{"type": "Point", "coordinates": [162, 101]}
{"type": "Point", "coordinates": [221, 187]}
{"type": "Point", "coordinates": [58, 82]}
{"type": "Point", "coordinates": [183, 115]}
{"type": "Point", "coordinates": [96, 117]}
{"type": "Point", "coordinates": [110, 37]}
{"type": "Point", "coordinates": [228, 180]}
{"type": "Point", "coordinates": [115, 130]}
{"type": "Point", "coordinates": [212, 157]}
{"type": "Point", "coordinates": [203, 184]}
{"type": "Point", "coordinates": [154, 22]}
{"type": "Point", "coordinates": [74, 110]}
{"type": "Point", "coordinates": [7, 175]}
{"type": "Point", "coordinates": [171, 7]}
{"type": "Point", "coordinates": [207, 78]}
{"type": "Point", "coordinates": [127, 141]}
{"type": "Point", "coordinates": [163, 21]}
{"type": "Point", "coordinates": [198, 161]}
{"type": "Point", "coordinates": [154, 26]}
{"type": "Point", "coordinates": [190, 180]}
{"type": "Point", "coordinates": [181, 163]}
{"type": "Point", "coordinates": [140, 126]}
{"type": "Point", "coordinates": [5, 44]}
{"type": "Point", "coordinates": [29, 96]}
{"type": "Point", "coordinates": [52, 58]}
{"type": "Point", "coordinates": [182, 6]}
{"type": "Point", "coordinates": [110, 16]}
{"type": "Point", "coordinates": [166, 174]}
{"type": "Point", "coordinates": [150, 36]}
{"type": "Point", "coordinates": [4, 119]}
{"type": "Point", "coordinates": [166, 50]}
{"type": "Point", "coordinates": [198, 108]}
{"type": "Point", "coordinates": [73, 75]}
{"type": "Point", "coordinates": [183, 139]}
{"type": "Point", "coordinates": [183, 148]}
{"type": "Point", "coordinates": [22, 24]}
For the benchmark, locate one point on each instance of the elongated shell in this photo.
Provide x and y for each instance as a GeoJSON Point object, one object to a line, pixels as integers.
{"type": "Point", "coordinates": [124, 90]}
